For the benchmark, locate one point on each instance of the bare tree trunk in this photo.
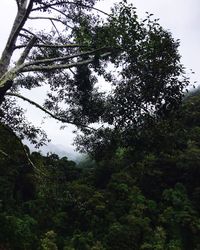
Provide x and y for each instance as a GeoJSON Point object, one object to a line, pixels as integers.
{"type": "Point", "coordinates": [21, 17]}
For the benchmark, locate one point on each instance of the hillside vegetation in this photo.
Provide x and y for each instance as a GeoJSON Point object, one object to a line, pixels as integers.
{"type": "Point", "coordinates": [140, 193]}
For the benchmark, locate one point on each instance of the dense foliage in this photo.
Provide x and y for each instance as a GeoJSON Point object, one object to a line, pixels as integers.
{"type": "Point", "coordinates": [77, 48]}
{"type": "Point", "coordinates": [143, 196]}
{"type": "Point", "coordinates": [140, 187]}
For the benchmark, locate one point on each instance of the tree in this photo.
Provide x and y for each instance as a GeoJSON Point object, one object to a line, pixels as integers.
{"type": "Point", "coordinates": [141, 197]}
{"type": "Point", "coordinates": [148, 89]}
{"type": "Point", "coordinates": [70, 55]}
{"type": "Point", "coordinates": [48, 59]}
{"type": "Point", "coordinates": [46, 54]}
{"type": "Point", "coordinates": [49, 241]}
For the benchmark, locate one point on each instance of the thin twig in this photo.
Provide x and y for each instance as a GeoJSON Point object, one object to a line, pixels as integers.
{"type": "Point", "coordinates": [47, 18]}
{"type": "Point", "coordinates": [68, 2]}
{"type": "Point", "coordinates": [62, 13]}
{"type": "Point", "coordinates": [55, 27]}
{"type": "Point", "coordinates": [60, 38]}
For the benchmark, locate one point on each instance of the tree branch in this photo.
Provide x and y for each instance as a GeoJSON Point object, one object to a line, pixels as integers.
{"type": "Point", "coordinates": [25, 36]}
{"type": "Point", "coordinates": [59, 11]}
{"type": "Point", "coordinates": [62, 13]}
{"type": "Point", "coordinates": [30, 67]}
{"type": "Point", "coordinates": [63, 58]}
{"type": "Point", "coordinates": [61, 39]}
{"type": "Point", "coordinates": [47, 112]}
{"type": "Point", "coordinates": [58, 46]}
{"type": "Point", "coordinates": [55, 27]}
{"type": "Point", "coordinates": [27, 50]}
{"type": "Point", "coordinates": [69, 2]}
{"type": "Point", "coordinates": [34, 35]}
{"type": "Point", "coordinates": [27, 68]}
{"type": "Point", "coordinates": [47, 18]}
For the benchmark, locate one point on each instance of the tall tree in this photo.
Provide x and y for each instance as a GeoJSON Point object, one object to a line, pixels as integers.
{"type": "Point", "coordinates": [47, 57]}
{"type": "Point", "coordinates": [70, 54]}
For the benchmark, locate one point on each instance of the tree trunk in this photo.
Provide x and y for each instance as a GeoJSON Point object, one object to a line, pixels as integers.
{"type": "Point", "coordinates": [3, 90]}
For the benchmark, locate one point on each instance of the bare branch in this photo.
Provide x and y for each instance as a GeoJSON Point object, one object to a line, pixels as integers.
{"type": "Point", "coordinates": [93, 8]}
{"type": "Point", "coordinates": [58, 46]}
{"type": "Point", "coordinates": [47, 112]}
{"type": "Point", "coordinates": [47, 18]}
{"type": "Point", "coordinates": [60, 37]}
{"type": "Point", "coordinates": [55, 27]}
{"type": "Point", "coordinates": [63, 58]}
{"type": "Point", "coordinates": [33, 66]}
{"type": "Point", "coordinates": [59, 11]}
{"type": "Point", "coordinates": [68, 2]}
{"type": "Point", "coordinates": [25, 36]}
{"type": "Point", "coordinates": [27, 68]}
{"type": "Point", "coordinates": [27, 50]}
{"type": "Point", "coordinates": [62, 13]}
{"type": "Point", "coordinates": [32, 34]}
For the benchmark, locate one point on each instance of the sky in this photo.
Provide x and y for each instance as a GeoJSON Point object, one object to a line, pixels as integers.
{"type": "Point", "coordinates": [181, 17]}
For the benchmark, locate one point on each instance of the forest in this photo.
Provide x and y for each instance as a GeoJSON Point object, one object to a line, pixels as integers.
{"type": "Point", "coordinates": [138, 188]}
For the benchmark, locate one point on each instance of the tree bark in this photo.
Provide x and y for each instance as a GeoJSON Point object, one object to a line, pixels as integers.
{"type": "Point", "coordinates": [19, 22]}
{"type": "Point", "coordinates": [4, 89]}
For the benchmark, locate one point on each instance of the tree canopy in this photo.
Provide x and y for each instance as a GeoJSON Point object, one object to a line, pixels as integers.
{"type": "Point", "coordinates": [72, 47]}
{"type": "Point", "coordinates": [145, 196]}
{"type": "Point", "coordinates": [139, 187]}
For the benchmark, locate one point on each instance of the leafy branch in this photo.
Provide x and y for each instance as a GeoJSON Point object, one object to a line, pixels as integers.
{"type": "Point", "coordinates": [47, 112]}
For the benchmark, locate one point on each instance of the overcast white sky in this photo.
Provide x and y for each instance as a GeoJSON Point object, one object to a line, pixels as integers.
{"type": "Point", "coordinates": [181, 17]}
